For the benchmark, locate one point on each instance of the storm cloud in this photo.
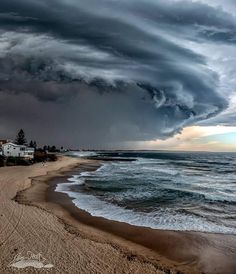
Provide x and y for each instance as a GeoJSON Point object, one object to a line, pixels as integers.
{"type": "Point", "coordinates": [97, 73]}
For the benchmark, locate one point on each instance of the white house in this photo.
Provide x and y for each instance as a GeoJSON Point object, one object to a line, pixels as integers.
{"type": "Point", "coordinates": [13, 150]}
{"type": "Point", "coordinates": [3, 141]}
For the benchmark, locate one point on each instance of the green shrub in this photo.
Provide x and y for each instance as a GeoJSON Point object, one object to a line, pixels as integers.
{"type": "Point", "coordinates": [40, 156]}
{"type": "Point", "coordinates": [52, 157]}
{"type": "Point", "coordinates": [17, 161]}
{"type": "Point", "coordinates": [43, 156]}
{"type": "Point", "coordinates": [2, 161]}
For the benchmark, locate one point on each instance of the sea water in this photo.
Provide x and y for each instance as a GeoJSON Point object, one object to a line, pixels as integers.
{"type": "Point", "coordinates": [164, 190]}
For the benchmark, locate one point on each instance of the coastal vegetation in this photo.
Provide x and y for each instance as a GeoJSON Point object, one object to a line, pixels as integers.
{"type": "Point", "coordinates": [20, 138]}
{"type": "Point", "coordinates": [41, 154]}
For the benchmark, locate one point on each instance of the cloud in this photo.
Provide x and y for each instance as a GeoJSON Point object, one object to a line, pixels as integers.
{"type": "Point", "coordinates": [196, 138]}
{"type": "Point", "coordinates": [98, 53]}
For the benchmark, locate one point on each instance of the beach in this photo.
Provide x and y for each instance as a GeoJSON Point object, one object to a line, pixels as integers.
{"type": "Point", "coordinates": [34, 218]}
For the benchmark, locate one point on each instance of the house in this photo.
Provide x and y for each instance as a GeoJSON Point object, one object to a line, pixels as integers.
{"type": "Point", "coordinates": [12, 150]}
{"type": "Point", "coordinates": [2, 142]}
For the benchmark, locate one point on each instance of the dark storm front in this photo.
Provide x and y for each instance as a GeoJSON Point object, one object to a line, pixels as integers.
{"type": "Point", "coordinates": [179, 191]}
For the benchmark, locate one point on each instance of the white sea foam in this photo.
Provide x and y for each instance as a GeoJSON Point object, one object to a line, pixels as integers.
{"type": "Point", "coordinates": [162, 219]}
{"type": "Point", "coordinates": [160, 193]}
{"type": "Point", "coordinates": [83, 154]}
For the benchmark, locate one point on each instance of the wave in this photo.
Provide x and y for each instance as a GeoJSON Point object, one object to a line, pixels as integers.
{"type": "Point", "coordinates": [83, 154]}
{"type": "Point", "coordinates": [188, 191]}
{"type": "Point", "coordinates": [162, 219]}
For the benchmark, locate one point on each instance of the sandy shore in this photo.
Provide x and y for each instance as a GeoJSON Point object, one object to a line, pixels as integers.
{"type": "Point", "coordinates": [39, 220]}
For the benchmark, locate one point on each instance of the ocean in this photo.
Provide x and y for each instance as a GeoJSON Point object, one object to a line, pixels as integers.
{"type": "Point", "coordinates": [164, 190]}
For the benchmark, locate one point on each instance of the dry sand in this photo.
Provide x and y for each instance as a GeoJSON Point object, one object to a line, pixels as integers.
{"type": "Point", "coordinates": [39, 220]}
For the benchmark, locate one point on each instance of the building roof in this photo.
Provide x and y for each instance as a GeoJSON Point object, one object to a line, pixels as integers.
{"type": "Point", "coordinates": [14, 145]}
{"type": "Point", "coordinates": [27, 149]}
{"type": "Point", "coordinates": [4, 141]}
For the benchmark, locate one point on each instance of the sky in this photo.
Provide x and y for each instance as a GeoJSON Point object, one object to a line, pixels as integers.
{"type": "Point", "coordinates": [102, 74]}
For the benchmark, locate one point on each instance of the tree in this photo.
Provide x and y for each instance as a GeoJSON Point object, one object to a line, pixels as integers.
{"type": "Point", "coordinates": [20, 138]}
{"type": "Point", "coordinates": [35, 144]}
{"type": "Point", "coordinates": [31, 144]}
{"type": "Point", "coordinates": [53, 149]}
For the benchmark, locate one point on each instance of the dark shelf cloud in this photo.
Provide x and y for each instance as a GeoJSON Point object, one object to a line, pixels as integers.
{"type": "Point", "coordinates": [95, 73]}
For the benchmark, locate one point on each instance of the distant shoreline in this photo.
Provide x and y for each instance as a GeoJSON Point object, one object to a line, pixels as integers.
{"type": "Point", "coordinates": [182, 251]}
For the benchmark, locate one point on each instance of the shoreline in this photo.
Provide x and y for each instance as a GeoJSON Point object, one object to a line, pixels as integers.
{"type": "Point", "coordinates": [42, 195]}
{"type": "Point", "coordinates": [186, 252]}
{"type": "Point", "coordinates": [52, 193]}
{"type": "Point", "coordinates": [28, 224]}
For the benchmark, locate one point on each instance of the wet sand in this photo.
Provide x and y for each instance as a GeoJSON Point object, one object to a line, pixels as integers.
{"type": "Point", "coordinates": [204, 252]}
{"type": "Point", "coordinates": [76, 241]}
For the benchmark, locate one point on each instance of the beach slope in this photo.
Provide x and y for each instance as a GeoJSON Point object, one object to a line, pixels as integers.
{"type": "Point", "coordinates": [34, 219]}
{"type": "Point", "coordinates": [26, 229]}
